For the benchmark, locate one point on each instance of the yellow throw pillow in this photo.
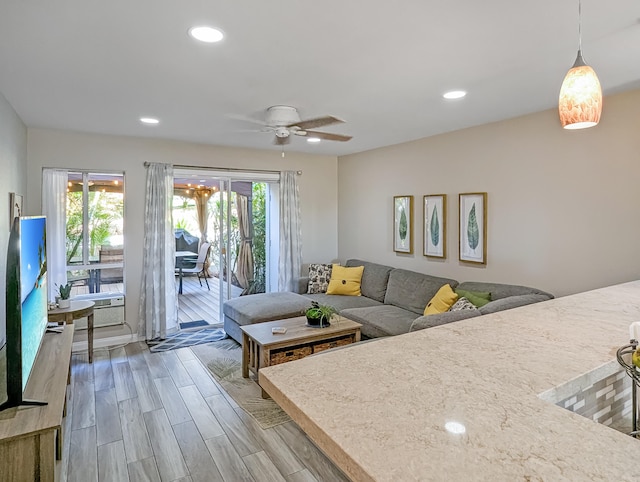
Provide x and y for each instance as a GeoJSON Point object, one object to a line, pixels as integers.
{"type": "Point", "coordinates": [442, 301]}
{"type": "Point", "coordinates": [345, 281]}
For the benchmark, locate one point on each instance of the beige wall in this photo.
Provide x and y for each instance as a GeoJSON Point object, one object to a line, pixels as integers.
{"type": "Point", "coordinates": [65, 149]}
{"type": "Point", "coordinates": [563, 207]}
{"type": "Point", "coordinates": [13, 178]}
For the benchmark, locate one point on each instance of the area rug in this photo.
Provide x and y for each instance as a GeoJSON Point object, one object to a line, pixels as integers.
{"type": "Point", "coordinates": [193, 324]}
{"type": "Point", "coordinates": [224, 361]}
{"type": "Point", "coordinates": [186, 338]}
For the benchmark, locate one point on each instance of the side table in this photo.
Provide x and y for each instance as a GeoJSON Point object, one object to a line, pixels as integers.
{"type": "Point", "coordinates": [78, 309]}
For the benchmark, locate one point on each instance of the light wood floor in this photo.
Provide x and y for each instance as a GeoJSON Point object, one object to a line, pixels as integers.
{"type": "Point", "coordinates": [198, 303]}
{"type": "Point", "coordinates": [140, 416]}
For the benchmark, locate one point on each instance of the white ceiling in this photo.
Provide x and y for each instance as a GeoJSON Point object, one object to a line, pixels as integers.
{"type": "Point", "coordinates": [97, 66]}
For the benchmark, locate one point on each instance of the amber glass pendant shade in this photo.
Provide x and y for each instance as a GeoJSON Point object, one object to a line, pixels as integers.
{"type": "Point", "coordinates": [580, 103]}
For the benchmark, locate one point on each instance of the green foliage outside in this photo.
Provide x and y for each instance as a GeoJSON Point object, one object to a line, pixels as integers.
{"type": "Point", "coordinates": [105, 212]}
{"type": "Point", "coordinates": [259, 206]}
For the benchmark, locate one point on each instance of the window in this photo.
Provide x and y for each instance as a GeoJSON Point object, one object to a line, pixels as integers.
{"type": "Point", "coordinates": [95, 232]}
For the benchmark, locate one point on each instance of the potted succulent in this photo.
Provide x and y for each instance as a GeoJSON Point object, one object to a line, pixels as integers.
{"type": "Point", "coordinates": [64, 291]}
{"type": "Point", "coordinates": [319, 316]}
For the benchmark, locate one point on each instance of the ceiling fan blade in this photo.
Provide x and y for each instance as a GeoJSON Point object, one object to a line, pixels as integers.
{"type": "Point", "coordinates": [319, 122]}
{"type": "Point", "coordinates": [244, 118]}
{"type": "Point", "coordinates": [327, 136]}
{"type": "Point", "coordinates": [281, 141]}
{"type": "Point", "coordinates": [264, 130]}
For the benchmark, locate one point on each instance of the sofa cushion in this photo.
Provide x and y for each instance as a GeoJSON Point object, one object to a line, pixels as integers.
{"type": "Point", "coordinates": [412, 291]}
{"type": "Point", "coordinates": [345, 280]}
{"type": "Point", "coordinates": [499, 290]}
{"type": "Point", "coordinates": [441, 301]}
{"type": "Point", "coordinates": [442, 319]}
{"type": "Point", "coordinates": [246, 310]}
{"type": "Point", "coordinates": [319, 276]}
{"type": "Point", "coordinates": [374, 278]}
{"type": "Point", "coordinates": [512, 302]}
{"type": "Point", "coordinates": [478, 298]}
{"type": "Point", "coordinates": [382, 320]}
{"type": "Point", "coordinates": [341, 302]}
{"type": "Point", "coordinates": [463, 304]}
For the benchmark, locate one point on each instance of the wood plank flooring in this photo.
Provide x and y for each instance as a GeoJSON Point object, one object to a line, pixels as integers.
{"type": "Point", "coordinates": [140, 416]}
{"type": "Point", "coordinates": [198, 303]}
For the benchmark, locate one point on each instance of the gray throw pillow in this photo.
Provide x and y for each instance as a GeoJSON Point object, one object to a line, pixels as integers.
{"type": "Point", "coordinates": [462, 304]}
{"type": "Point", "coordinates": [319, 276]}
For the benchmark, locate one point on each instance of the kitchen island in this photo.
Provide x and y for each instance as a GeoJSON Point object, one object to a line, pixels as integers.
{"type": "Point", "coordinates": [471, 400]}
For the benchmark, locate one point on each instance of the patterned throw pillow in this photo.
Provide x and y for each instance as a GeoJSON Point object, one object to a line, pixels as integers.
{"type": "Point", "coordinates": [463, 304]}
{"type": "Point", "coordinates": [319, 276]}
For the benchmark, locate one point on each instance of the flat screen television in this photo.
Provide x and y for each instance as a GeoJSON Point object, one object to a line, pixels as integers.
{"type": "Point", "coordinates": [26, 304]}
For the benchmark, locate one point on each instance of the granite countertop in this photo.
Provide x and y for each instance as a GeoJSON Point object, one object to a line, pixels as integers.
{"type": "Point", "coordinates": [379, 410]}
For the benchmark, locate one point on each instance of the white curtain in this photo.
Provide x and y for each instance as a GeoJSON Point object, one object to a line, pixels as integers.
{"type": "Point", "coordinates": [54, 207]}
{"type": "Point", "coordinates": [290, 258]}
{"type": "Point", "coordinates": [158, 299]}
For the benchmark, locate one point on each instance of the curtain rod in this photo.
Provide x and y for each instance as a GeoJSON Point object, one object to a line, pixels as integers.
{"type": "Point", "coordinates": [229, 169]}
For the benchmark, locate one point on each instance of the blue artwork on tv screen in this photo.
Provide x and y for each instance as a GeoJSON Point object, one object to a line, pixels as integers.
{"type": "Point", "coordinates": [33, 284]}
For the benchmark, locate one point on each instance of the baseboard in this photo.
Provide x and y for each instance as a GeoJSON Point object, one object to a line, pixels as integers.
{"type": "Point", "coordinates": [104, 342]}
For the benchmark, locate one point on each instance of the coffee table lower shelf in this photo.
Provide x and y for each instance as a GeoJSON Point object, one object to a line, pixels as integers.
{"type": "Point", "coordinates": [262, 348]}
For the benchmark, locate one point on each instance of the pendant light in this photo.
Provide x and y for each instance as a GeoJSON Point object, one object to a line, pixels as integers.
{"type": "Point", "coordinates": [580, 103]}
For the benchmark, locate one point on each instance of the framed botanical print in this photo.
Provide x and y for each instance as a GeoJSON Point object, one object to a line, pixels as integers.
{"type": "Point", "coordinates": [473, 227]}
{"type": "Point", "coordinates": [403, 224]}
{"type": "Point", "coordinates": [435, 225]}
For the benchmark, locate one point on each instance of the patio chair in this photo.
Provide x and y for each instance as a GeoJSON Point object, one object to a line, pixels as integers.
{"type": "Point", "coordinates": [199, 268]}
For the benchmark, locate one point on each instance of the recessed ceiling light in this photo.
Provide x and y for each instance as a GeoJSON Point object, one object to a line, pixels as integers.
{"type": "Point", "coordinates": [313, 140]}
{"type": "Point", "coordinates": [149, 120]}
{"type": "Point", "coordinates": [206, 34]}
{"type": "Point", "coordinates": [454, 94]}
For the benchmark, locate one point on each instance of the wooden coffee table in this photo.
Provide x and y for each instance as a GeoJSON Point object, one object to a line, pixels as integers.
{"type": "Point", "coordinates": [262, 348]}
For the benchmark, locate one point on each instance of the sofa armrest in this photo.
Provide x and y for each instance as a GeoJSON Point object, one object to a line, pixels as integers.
{"type": "Point", "coordinates": [512, 302]}
{"type": "Point", "coordinates": [301, 284]}
{"type": "Point", "coordinates": [442, 319]}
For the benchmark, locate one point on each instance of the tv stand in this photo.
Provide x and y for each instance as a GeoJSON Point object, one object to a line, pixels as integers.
{"type": "Point", "coordinates": [31, 437]}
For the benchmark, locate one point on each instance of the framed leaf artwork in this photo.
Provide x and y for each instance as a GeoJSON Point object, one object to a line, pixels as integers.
{"type": "Point", "coordinates": [473, 227]}
{"type": "Point", "coordinates": [435, 225]}
{"type": "Point", "coordinates": [403, 224]}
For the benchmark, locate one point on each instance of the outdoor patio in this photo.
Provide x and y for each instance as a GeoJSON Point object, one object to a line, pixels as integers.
{"type": "Point", "coordinates": [195, 303]}
{"type": "Point", "coordinates": [198, 303]}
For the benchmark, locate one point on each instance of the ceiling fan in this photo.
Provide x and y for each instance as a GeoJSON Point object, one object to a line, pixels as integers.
{"type": "Point", "coordinates": [284, 121]}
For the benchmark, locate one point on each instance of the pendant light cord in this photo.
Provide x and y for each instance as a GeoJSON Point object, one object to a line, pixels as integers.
{"type": "Point", "coordinates": [580, 25]}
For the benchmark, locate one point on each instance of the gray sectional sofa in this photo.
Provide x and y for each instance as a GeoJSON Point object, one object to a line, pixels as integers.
{"type": "Point", "coordinates": [392, 302]}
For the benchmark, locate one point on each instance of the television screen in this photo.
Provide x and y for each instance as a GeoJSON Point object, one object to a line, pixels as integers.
{"type": "Point", "coordinates": [33, 288]}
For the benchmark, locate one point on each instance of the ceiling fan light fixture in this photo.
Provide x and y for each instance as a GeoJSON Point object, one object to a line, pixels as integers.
{"type": "Point", "coordinates": [313, 140]}
{"type": "Point", "coordinates": [454, 94]}
{"type": "Point", "coordinates": [580, 99]}
{"type": "Point", "coordinates": [206, 34]}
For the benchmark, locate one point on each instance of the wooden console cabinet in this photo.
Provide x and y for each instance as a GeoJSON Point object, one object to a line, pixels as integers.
{"type": "Point", "coordinates": [31, 437]}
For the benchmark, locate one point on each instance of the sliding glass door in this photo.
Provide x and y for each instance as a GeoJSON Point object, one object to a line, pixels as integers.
{"type": "Point", "coordinates": [233, 211]}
